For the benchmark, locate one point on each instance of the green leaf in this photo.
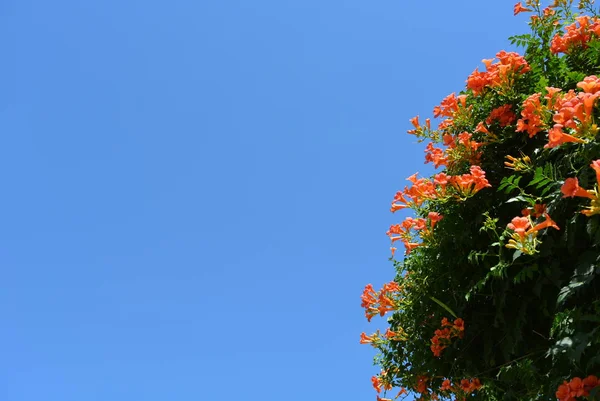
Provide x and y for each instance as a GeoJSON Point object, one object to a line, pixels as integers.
{"type": "Point", "coordinates": [443, 305]}
{"type": "Point", "coordinates": [516, 255]}
{"type": "Point", "coordinates": [519, 198]}
{"type": "Point", "coordinates": [583, 274]}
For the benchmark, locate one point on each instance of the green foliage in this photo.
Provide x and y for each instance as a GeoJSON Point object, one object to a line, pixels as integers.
{"type": "Point", "coordinates": [531, 302]}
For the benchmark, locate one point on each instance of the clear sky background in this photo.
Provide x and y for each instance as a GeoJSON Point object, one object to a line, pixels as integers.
{"type": "Point", "coordinates": [194, 192]}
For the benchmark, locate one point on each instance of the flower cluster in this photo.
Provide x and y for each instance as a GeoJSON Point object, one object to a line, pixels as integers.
{"type": "Point", "coordinates": [381, 302]}
{"type": "Point", "coordinates": [423, 190]}
{"type": "Point", "coordinates": [469, 386]}
{"type": "Point", "coordinates": [511, 118]}
{"type": "Point", "coordinates": [572, 189]}
{"type": "Point", "coordinates": [376, 339]}
{"type": "Point", "coordinates": [533, 120]}
{"type": "Point", "coordinates": [460, 148]}
{"type": "Point", "coordinates": [451, 107]}
{"type": "Point", "coordinates": [574, 111]}
{"type": "Point", "coordinates": [577, 35]}
{"type": "Point", "coordinates": [382, 381]}
{"type": "Point", "coordinates": [469, 184]}
{"type": "Point", "coordinates": [459, 389]}
{"type": "Point", "coordinates": [501, 74]}
{"type": "Point", "coordinates": [379, 382]}
{"type": "Point", "coordinates": [520, 8]}
{"type": "Point", "coordinates": [443, 337]}
{"type": "Point", "coordinates": [518, 163]}
{"type": "Point", "coordinates": [524, 233]}
{"type": "Point", "coordinates": [576, 387]}
{"type": "Point", "coordinates": [538, 210]}
{"type": "Point", "coordinates": [420, 130]}
{"type": "Point", "coordinates": [434, 155]}
{"type": "Point", "coordinates": [418, 193]}
{"type": "Point", "coordinates": [411, 228]}
{"type": "Point", "coordinates": [503, 115]}
{"type": "Point", "coordinates": [571, 111]}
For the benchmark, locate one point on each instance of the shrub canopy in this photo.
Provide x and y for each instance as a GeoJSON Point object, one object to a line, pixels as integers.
{"type": "Point", "coordinates": [498, 296]}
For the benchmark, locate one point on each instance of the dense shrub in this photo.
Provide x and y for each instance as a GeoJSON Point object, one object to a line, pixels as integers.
{"type": "Point", "coordinates": [498, 295]}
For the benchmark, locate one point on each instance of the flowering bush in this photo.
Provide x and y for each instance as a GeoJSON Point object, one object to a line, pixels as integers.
{"type": "Point", "coordinates": [498, 293]}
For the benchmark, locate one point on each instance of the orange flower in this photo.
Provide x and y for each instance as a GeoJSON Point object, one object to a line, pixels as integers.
{"type": "Point", "coordinates": [571, 189]}
{"type": "Point", "coordinates": [465, 385]}
{"type": "Point", "coordinates": [369, 300]}
{"type": "Point", "coordinates": [436, 156]}
{"type": "Point", "coordinates": [365, 339]}
{"type": "Point", "coordinates": [539, 209]}
{"type": "Point", "coordinates": [550, 96]}
{"type": "Point", "coordinates": [532, 113]}
{"type": "Point", "coordinates": [376, 383]}
{"type": "Point", "coordinates": [443, 333]}
{"type": "Point", "coordinates": [468, 386]}
{"type": "Point", "coordinates": [446, 386]}
{"type": "Point", "coordinates": [469, 184]}
{"type": "Point", "coordinates": [563, 393]}
{"type": "Point", "coordinates": [370, 313]}
{"type": "Point", "coordinates": [477, 81]}
{"type": "Point", "coordinates": [568, 391]}
{"type": "Point", "coordinates": [596, 166]}
{"type": "Point", "coordinates": [409, 246]}
{"type": "Point", "coordinates": [415, 121]}
{"type": "Point", "coordinates": [422, 384]}
{"type": "Point", "coordinates": [443, 337]}
{"type": "Point", "coordinates": [441, 179]}
{"type": "Point", "coordinates": [399, 335]}
{"type": "Point", "coordinates": [576, 36]}
{"type": "Point", "coordinates": [547, 223]}
{"type": "Point", "coordinates": [459, 325]}
{"type": "Point", "coordinates": [392, 286]}
{"type": "Point", "coordinates": [503, 115]}
{"type": "Point", "coordinates": [557, 137]}
{"type": "Point", "coordinates": [548, 11]}
{"type": "Point", "coordinates": [448, 140]}
{"type": "Point", "coordinates": [386, 304]}
{"type": "Point", "coordinates": [368, 296]}
{"type": "Point", "coordinates": [447, 108]}
{"type": "Point", "coordinates": [434, 217]}
{"type": "Point", "coordinates": [437, 349]}
{"type": "Point", "coordinates": [481, 128]}
{"type": "Point", "coordinates": [590, 84]}
{"type": "Point", "coordinates": [380, 302]}
{"type": "Point", "coordinates": [589, 383]}
{"type": "Point", "coordinates": [519, 225]}
{"type": "Point", "coordinates": [576, 387]}
{"type": "Point", "coordinates": [499, 74]}
{"type": "Point", "coordinates": [519, 8]}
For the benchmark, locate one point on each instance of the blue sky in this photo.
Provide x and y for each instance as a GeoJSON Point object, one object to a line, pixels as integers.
{"type": "Point", "coordinates": [196, 192]}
